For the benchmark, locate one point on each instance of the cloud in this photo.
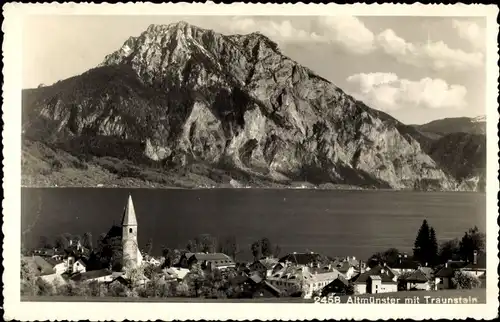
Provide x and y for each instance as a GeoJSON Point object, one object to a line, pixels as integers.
{"type": "Point", "coordinates": [348, 31]}
{"type": "Point", "coordinates": [351, 34]}
{"type": "Point", "coordinates": [471, 32]}
{"type": "Point", "coordinates": [283, 31]}
{"type": "Point", "coordinates": [331, 29]}
{"type": "Point", "coordinates": [434, 54]}
{"type": "Point", "coordinates": [387, 92]}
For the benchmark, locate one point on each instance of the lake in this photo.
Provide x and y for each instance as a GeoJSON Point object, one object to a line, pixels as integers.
{"type": "Point", "coordinates": [331, 222]}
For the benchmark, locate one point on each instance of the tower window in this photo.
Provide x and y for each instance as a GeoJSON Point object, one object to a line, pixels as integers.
{"type": "Point", "coordinates": [130, 230]}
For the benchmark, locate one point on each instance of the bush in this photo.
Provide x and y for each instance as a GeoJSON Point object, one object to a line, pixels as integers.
{"type": "Point", "coordinates": [70, 289]}
{"type": "Point", "coordinates": [182, 289]}
{"type": "Point", "coordinates": [463, 280]}
{"type": "Point", "coordinates": [44, 288]}
{"type": "Point", "coordinates": [117, 290]}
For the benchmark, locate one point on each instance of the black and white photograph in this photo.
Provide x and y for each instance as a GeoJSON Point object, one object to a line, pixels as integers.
{"type": "Point", "coordinates": [199, 159]}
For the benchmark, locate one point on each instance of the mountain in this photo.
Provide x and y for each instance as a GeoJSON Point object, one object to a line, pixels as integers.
{"type": "Point", "coordinates": [458, 145]}
{"type": "Point", "coordinates": [462, 155]}
{"type": "Point", "coordinates": [476, 125]}
{"type": "Point", "coordinates": [181, 105]}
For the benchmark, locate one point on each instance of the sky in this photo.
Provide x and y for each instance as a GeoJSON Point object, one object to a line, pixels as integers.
{"type": "Point", "coordinates": [417, 69]}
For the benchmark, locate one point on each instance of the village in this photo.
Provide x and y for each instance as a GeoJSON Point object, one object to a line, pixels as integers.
{"type": "Point", "coordinates": [121, 268]}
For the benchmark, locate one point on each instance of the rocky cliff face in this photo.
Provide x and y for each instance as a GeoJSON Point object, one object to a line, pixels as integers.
{"type": "Point", "coordinates": [178, 95]}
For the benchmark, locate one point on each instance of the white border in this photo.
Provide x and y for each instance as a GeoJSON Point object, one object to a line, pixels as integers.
{"type": "Point", "coordinates": [14, 14]}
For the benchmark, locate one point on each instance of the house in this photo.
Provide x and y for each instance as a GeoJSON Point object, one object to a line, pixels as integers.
{"type": "Point", "coordinates": [100, 276]}
{"type": "Point", "coordinates": [177, 272]}
{"type": "Point", "coordinates": [206, 260]}
{"type": "Point", "coordinates": [254, 286]}
{"type": "Point", "coordinates": [265, 289]}
{"type": "Point", "coordinates": [404, 265]}
{"type": "Point", "coordinates": [418, 280]}
{"type": "Point", "coordinates": [59, 266]}
{"type": "Point", "coordinates": [345, 268]}
{"type": "Point", "coordinates": [75, 266]}
{"type": "Point", "coordinates": [379, 279]}
{"type": "Point", "coordinates": [126, 281]}
{"type": "Point", "coordinates": [477, 267]}
{"type": "Point", "coordinates": [305, 279]}
{"type": "Point", "coordinates": [338, 286]}
{"type": "Point", "coordinates": [264, 266]}
{"type": "Point", "coordinates": [304, 259]}
{"type": "Point", "coordinates": [443, 276]}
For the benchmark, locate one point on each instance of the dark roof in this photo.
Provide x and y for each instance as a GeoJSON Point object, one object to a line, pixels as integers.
{"type": "Point", "coordinates": [342, 267]}
{"type": "Point", "coordinates": [386, 276]}
{"type": "Point", "coordinates": [129, 218]}
{"type": "Point", "coordinates": [91, 274]}
{"type": "Point", "coordinates": [270, 287]}
{"type": "Point", "coordinates": [303, 258]}
{"type": "Point", "coordinates": [445, 272]}
{"type": "Point", "coordinates": [53, 261]}
{"type": "Point", "coordinates": [479, 265]}
{"type": "Point", "coordinates": [427, 271]}
{"type": "Point", "coordinates": [405, 264]}
{"type": "Point", "coordinates": [210, 257]}
{"type": "Point", "coordinates": [340, 279]}
{"type": "Point", "coordinates": [268, 263]}
{"type": "Point", "coordinates": [114, 231]}
{"type": "Point", "coordinates": [417, 276]}
{"type": "Point", "coordinates": [456, 264]}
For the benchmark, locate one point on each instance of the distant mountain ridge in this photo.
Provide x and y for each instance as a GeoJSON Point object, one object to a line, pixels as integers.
{"type": "Point", "coordinates": [191, 104]}
{"type": "Point", "coordinates": [475, 125]}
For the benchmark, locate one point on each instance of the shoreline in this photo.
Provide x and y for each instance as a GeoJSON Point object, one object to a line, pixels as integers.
{"type": "Point", "coordinates": [248, 188]}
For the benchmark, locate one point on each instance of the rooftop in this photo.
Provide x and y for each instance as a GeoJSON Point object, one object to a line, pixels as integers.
{"type": "Point", "coordinates": [129, 218]}
{"type": "Point", "coordinates": [417, 276]}
{"type": "Point", "coordinates": [384, 273]}
{"type": "Point", "coordinates": [91, 275]}
{"type": "Point", "coordinates": [480, 264]}
{"type": "Point", "coordinates": [303, 258]}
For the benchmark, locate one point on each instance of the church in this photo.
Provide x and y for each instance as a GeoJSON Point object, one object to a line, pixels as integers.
{"type": "Point", "coordinates": [132, 256]}
{"type": "Point", "coordinates": [120, 248]}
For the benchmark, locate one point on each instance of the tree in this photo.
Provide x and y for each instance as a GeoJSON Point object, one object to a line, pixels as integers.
{"type": "Point", "coordinates": [390, 257]}
{"type": "Point", "coordinates": [195, 279]}
{"type": "Point", "coordinates": [463, 280]}
{"type": "Point", "coordinates": [202, 243]}
{"type": "Point", "coordinates": [449, 250]}
{"type": "Point", "coordinates": [472, 241]}
{"type": "Point", "coordinates": [60, 242]}
{"type": "Point", "coordinates": [149, 247]}
{"type": "Point", "coordinates": [433, 247]}
{"type": "Point", "coordinates": [28, 279]}
{"type": "Point", "coordinates": [43, 242]}
{"type": "Point", "coordinates": [425, 250]}
{"type": "Point", "coordinates": [229, 246]}
{"type": "Point", "coordinates": [277, 251]}
{"type": "Point", "coordinates": [168, 257]}
{"type": "Point", "coordinates": [256, 250]}
{"type": "Point", "coordinates": [191, 246]}
{"type": "Point", "coordinates": [266, 247]}
{"type": "Point", "coordinates": [87, 240]}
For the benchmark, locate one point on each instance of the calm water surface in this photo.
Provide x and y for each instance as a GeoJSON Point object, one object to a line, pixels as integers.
{"type": "Point", "coordinates": [336, 223]}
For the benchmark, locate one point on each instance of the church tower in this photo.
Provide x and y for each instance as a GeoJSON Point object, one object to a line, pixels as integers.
{"type": "Point", "coordinates": [131, 253]}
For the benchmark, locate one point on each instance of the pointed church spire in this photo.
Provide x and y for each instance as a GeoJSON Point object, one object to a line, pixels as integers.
{"type": "Point", "coordinates": [129, 218]}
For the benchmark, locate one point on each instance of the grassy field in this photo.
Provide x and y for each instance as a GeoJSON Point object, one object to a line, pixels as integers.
{"type": "Point", "coordinates": [479, 294]}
